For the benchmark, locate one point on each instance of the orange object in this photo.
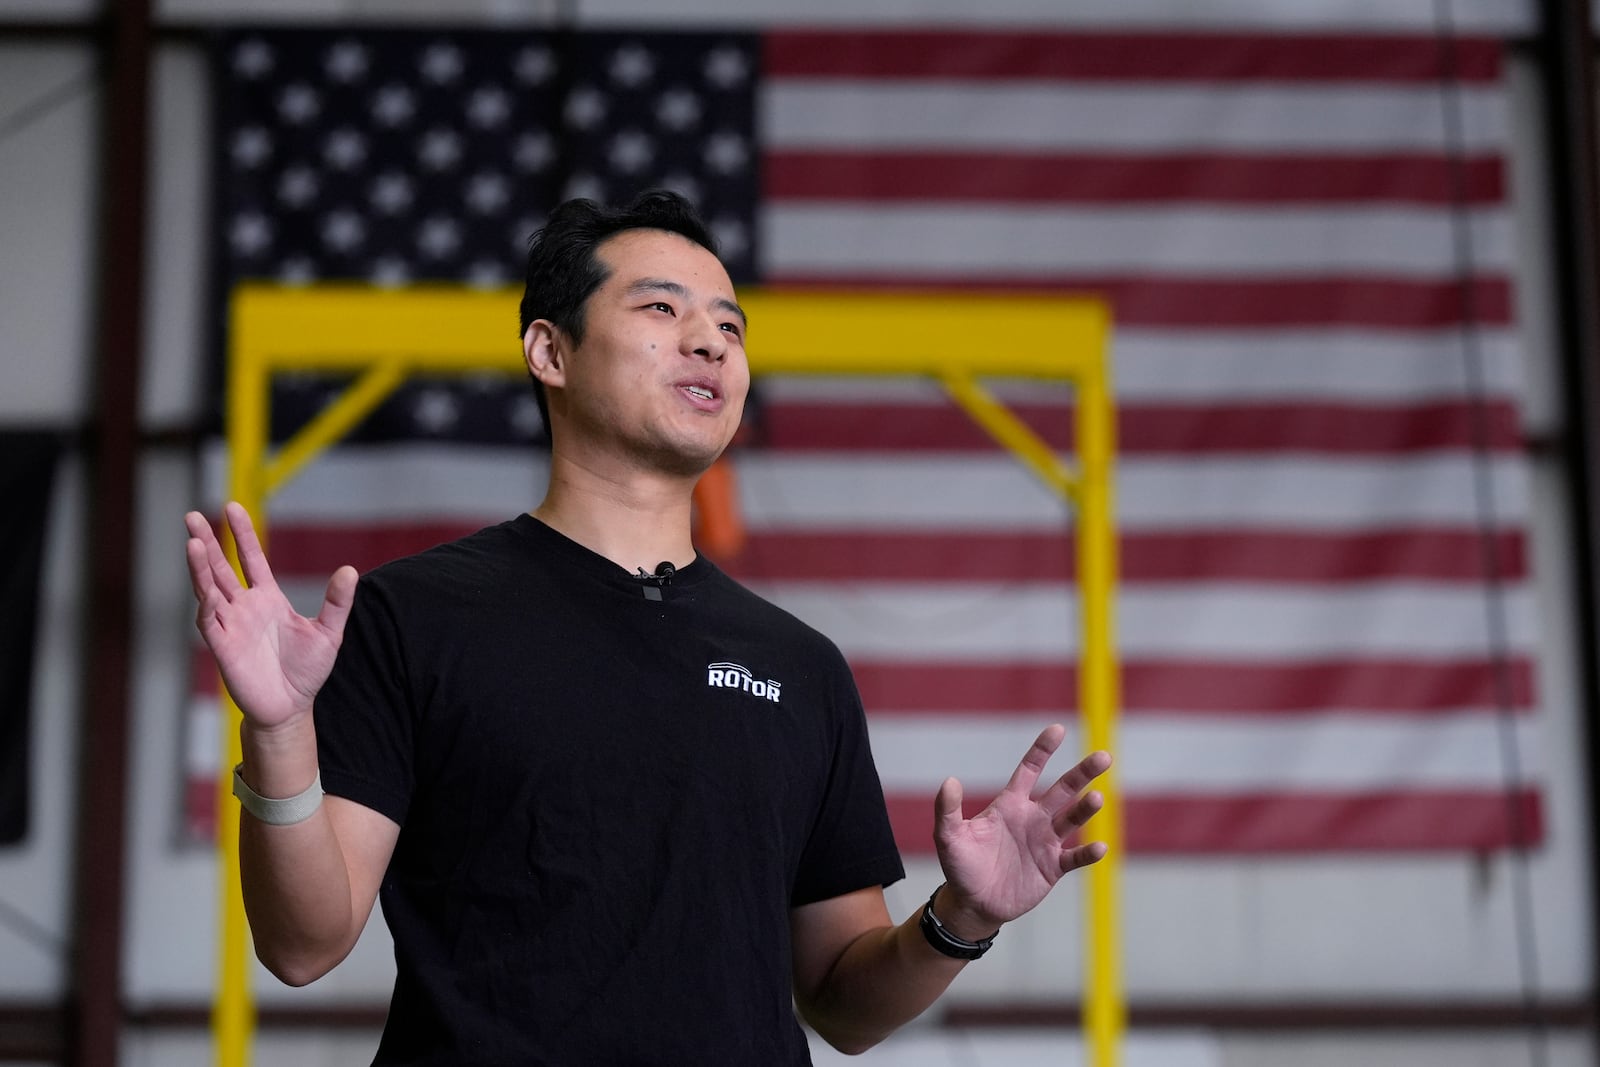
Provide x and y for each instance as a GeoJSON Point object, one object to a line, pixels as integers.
{"type": "Point", "coordinates": [718, 526]}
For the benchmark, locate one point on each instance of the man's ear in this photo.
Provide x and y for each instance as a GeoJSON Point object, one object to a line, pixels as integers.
{"type": "Point", "coordinates": [544, 350]}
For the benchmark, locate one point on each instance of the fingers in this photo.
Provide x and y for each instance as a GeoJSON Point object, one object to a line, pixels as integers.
{"type": "Point", "coordinates": [947, 809]}
{"type": "Point", "coordinates": [1032, 765]}
{"type": "Point", "coordinates": [207, 597]}
{"type": "Point", "coordinates": [336, 602]}
{"type": "Point", "coordinates": [194, 552]}
{"type": "Point", "coordinates": [1082, 855]}
{"type": "Point", "coordinates": [1073, 817]}
{"type": "Point", "coordinates": [1069, 785]}
{"type": "Point", "coordinates": [217, 575]}
{"type": "Point", "coordinates": [251, 557]}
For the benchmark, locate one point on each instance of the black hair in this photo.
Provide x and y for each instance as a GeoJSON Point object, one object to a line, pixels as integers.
{"type": "Point", "coordinates": [563, 270]}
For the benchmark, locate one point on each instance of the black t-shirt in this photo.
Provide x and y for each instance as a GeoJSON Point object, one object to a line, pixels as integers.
{"type": "Point", "coordinates": [608, 803]}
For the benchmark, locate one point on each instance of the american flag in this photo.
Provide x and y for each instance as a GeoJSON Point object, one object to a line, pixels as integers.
{"type": "Point", "coordinates": [1325, 616]}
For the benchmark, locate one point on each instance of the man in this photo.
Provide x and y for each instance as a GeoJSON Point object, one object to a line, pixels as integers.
{"type": "Point", "coordinates": [620, 810]}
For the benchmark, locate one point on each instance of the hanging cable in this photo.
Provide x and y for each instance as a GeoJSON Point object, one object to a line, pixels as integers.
{"type": "Point", "coordinates": [1495, 610]}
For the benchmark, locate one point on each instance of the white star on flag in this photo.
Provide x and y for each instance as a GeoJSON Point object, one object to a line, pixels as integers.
{"type": "Point", "coordinates": [297, 187]}
{"type": "Point", "coordinates": [394, 105]}
{"type": "Point", "coordinates": [436, 410]}
{"type": "Point", "coordinates": [678, 109]}
{"type": "Point", "coordinates": [345, 149]}
{"type": "Point", "coordinates": [727, 68]}
{"type": "Point", "coordinates": [440, 149]}
{"type": "Point", "coordinates": [631, 151]}
{"type": "Point", "coordinates": [488, 108]}
{"type": "Point", "coordinates": [586, 107]}
{"type": "Point", "coordinates": [534, 66]}
{"type": "Point", "coordinates": [299, 104]}
{"type": "Point", "coordinates": [252, 59]}
{"type": "Point", "coordinates": [438, 237]}
{"type": "Point", "coordinates": [533, 152]}
{"type": "Point", "coordinates": [487, 193]}
{"type": "Point", "coordinates": [441, 64]}
{"type": "Point", "coordinates": [347, 62]}
{"type": "Point", "coordinates": [251, 147]}
{"type": "Point", "coordinates": [250, 234]}
{"type": "Point", "coordinates": [632, 66]}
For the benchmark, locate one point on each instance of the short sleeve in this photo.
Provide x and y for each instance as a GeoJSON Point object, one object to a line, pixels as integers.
{"type": "Point", "coordinates": [851, 845]}
{"type": "Point", "coordinates": [364, 713]}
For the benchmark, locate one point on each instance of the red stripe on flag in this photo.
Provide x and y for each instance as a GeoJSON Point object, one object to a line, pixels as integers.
{"type": "Point", "coordinates": [1191, 823]}
{"type": "Point", "coordinates": [1145, 429]}
{"type": "Point", "coordinates": [1165, 686]}
{"type": "Point", "coordinates": [1287, 822]}
{"type": "Point", "coordinates": [1199, 302]}
{"type": "Point", "coordinates": [314, 551]}
{"type": "Point", "coordinates": [1192, 555]}
{"type": "Point", "coordinates": [1202, 687]}
{"type": "Point", "coordinates": [1000, 177]}
{"type": "Point", "coordinates": [1172, 57]}
{"type": "Point", "coordinates": [203, 679]}
{"type": "Point", "coordinates": [199, 809]}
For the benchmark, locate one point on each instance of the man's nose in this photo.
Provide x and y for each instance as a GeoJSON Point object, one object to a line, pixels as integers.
{"type": "Point", "coordinates": [704, 338]}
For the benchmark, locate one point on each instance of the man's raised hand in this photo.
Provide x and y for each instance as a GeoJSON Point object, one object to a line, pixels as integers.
{"type": "Point", "coordinates": [272, 659]}
{"type": "Point", "coordinates": [1000, 863]}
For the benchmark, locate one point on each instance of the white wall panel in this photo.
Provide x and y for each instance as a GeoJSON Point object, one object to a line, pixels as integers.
{"type": "Point", "coordinates": [176, 247]}
{"type": "Point", "coordinates": [47, 206]}
{"type": "Point", "coordinates": [51, 10]}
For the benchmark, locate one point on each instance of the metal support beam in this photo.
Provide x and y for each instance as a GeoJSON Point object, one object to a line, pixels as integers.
{"type": "Point", "coordinates": [1566, 52]}
{"type": "Point", "coordinates": [385, 335]}
{"type": "Point", "coordinates": [95, 1010]}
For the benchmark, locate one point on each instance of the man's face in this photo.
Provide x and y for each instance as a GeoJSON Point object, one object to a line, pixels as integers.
{"type": "Point", "coordinates": [660, 378]}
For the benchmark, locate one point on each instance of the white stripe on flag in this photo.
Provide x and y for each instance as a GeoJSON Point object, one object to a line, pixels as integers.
{"type": "Point", "coordinates": [1235, 366]}
{"type": "Point", "coordinates": [1194, 620]}
{"type": "Point", "coordinates": [418, 481]}
{"type": "Point", "coordinates": [801, 238]}
{"type": "Point", "coordinates": [881, 115]}
{"type": "Point", "coordinates": [1215, 755]}
{"type": "Point", "coordinates": [883, 492]}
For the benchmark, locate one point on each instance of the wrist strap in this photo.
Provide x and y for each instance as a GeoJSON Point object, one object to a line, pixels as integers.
{"type": "Point", "coordinates": [285, 812]}
{"type": "Point", "coordinates": [944, 941]}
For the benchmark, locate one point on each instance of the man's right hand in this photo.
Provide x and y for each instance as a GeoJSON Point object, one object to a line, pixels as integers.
{"type": "Point", "coordinates": [273, 660]}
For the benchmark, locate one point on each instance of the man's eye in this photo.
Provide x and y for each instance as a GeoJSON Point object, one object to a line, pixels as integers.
{"type": "Point", "coordinates": [733, 328]}
{"type": "Point", "coordinates": [662, 305]}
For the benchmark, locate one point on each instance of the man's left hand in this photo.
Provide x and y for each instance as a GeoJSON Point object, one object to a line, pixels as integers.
{"type": "Point", "coordinates": [1001, 862]}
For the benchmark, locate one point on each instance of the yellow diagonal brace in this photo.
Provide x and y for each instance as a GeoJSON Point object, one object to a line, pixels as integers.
{"type": "Point", "coordinates": [333, 422]}
{"type": "Point", "coordinates": [1011, 432]}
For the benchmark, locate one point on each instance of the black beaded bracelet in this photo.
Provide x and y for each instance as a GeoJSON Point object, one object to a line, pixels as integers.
{"type": "Point", "coordinates": [944, 941]}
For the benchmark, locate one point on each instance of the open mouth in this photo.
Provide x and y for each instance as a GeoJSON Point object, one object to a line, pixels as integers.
{"type": "Point", "coordinates": [701, 392]}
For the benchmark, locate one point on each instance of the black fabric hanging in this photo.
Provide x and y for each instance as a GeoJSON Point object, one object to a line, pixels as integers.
{"type": "Point", "coordinates": [27, 473]}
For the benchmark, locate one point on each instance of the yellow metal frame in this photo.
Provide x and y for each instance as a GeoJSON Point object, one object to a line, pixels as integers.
{"type": "Point", "coordinates": [384, 336]}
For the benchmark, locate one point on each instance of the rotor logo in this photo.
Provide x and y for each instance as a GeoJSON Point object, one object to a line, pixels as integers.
{"type": "Point", "coordinates": [738, 676]}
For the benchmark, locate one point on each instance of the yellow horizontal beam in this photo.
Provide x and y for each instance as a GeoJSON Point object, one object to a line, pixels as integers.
{"type": "Point", "coordinates": [992, 335]}
{"type": "Point", "coordinates": [445, 329]}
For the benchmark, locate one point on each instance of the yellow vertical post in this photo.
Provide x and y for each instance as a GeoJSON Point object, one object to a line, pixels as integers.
{"type": "Point", "coordinates": [233, 1015]}
{"type": "Point", "coordinates": [1104, 1010]}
